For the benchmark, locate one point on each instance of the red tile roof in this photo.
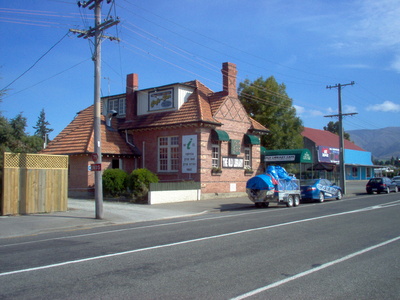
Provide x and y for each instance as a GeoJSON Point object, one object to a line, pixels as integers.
{"type": "Point", "coordinates": [199, 108]}
{"type": "Point", "coordinates": [327, 138]}
{"type": "Point", "coordinates": [78, 137]}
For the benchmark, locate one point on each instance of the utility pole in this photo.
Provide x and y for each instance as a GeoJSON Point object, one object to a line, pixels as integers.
{"type": "Point", "coordinates": [341, 134]}
{"type": "Point", "coordinates": [97, 33]}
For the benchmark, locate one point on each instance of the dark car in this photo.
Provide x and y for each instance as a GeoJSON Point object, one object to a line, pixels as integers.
{"type": "Point", "coordinates": [381, 184]}
{"type": "Point", "coordinates": [397, 180]}
{"type": "Point", "coordinates": [320, 189]}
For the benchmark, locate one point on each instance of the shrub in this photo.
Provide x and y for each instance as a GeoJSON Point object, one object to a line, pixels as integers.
{"type": "Point", "coordinates": [114, 181]}
{"type": "Point", "coordinates": [139, 181]}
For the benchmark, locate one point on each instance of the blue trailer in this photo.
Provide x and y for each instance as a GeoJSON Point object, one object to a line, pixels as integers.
{"type": "Point", "coordinates": [274, 186]}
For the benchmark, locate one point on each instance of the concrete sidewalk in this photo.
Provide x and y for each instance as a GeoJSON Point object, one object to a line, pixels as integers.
{"type": "Point", "coordinates": [81, 213]}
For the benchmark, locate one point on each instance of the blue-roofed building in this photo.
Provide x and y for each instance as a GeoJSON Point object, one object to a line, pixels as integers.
{"type": "Point", "coordinates": [324, 146]}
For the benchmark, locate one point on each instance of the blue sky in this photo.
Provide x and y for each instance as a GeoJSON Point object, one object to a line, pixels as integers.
{"type": "Point", "coordinates": [307, 45]}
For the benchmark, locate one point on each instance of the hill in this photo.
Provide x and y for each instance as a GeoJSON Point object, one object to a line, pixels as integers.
{"type": "Point", "coordinates": [383, 143]}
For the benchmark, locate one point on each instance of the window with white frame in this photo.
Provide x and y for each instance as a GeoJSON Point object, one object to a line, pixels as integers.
{"type": "Point", "coordinates": [215, 156]}
{"type": "Point", "coordinates": [247, 158]}
{"type": "Point", "coordinates": [118, 105]}
{"type": "Point", "coordinates": [168, 156]}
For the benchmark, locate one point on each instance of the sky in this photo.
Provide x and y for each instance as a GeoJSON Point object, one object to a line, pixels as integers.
{"type": "Point", "coordinates": [306, 45]}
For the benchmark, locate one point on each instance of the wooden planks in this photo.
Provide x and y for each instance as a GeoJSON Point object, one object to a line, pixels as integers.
{"type": "Point", "coordinates": [34, 183]}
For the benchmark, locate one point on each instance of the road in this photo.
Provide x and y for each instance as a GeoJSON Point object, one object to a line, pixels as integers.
{"type": "Point", "coordinates": [347, 249]}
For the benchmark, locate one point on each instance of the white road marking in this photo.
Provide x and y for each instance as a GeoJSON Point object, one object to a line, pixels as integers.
{"type": "Point", "coordinates": [313, 270]}
{"type": "Point", "coordinates": [182, 242]}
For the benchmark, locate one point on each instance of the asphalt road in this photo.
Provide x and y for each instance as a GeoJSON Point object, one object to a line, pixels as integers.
{"type": "Point", "coordinates": [348, 249]}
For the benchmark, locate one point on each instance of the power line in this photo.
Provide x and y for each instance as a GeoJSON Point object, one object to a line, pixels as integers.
{"type": "Point", "coordinates": [39, 59]}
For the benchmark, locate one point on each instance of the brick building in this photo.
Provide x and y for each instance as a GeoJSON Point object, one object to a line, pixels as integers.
{"type": "Point", "coordinates": [180, 131]}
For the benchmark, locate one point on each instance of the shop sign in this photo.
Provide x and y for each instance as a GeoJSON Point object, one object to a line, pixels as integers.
{"type": "Point", "coordinates": [189, 154]}
{"type": "Point", "coordinates": [232, 162]}
{"type": "Point", "coordinates": [279, 158]}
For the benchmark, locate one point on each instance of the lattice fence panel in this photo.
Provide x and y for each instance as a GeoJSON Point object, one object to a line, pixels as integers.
{"type": "Point", "coordinates": [35, 161]}
{"type": "Point", "coordinates": [34, 183]}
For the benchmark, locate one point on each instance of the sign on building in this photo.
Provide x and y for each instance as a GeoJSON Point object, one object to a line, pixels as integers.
{"type": "Point", "coordinates": [189, 154]}
{"type": "Point", "coordinates": [328, 155]}
{"type": "Point", "coordinates": [274, 158]}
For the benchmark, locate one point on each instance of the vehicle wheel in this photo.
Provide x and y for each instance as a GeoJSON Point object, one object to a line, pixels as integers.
{"type": "Point", "coordinates": [296, 201]}
{"type": "Point", "coordinates": [258, 204]}
{"type": "Point", "coordinates": [289, 202]}
{"type": "Point", "coordinates": [387, 190]}
{"type": "Point", "coordinates": [339, 195]}
{"type": "Point", "coordinates": [265, 204]}
{"type": "Point", "coordinates": [321, 197]}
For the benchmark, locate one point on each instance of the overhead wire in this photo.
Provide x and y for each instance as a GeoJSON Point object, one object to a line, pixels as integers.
{"type": "Point", "coordinates": [179, 51]}
{"type": "Point", "coordinates": [34, 64]}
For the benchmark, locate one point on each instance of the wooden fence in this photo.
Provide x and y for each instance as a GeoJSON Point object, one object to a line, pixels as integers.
{"type": "Point", "coordinates": [34, 183]}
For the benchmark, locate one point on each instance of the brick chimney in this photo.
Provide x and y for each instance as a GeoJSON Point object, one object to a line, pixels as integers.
{"type": "Point", "coordinates": [132, 85]}
{"type": "Point", "coordinates": [229, 73]}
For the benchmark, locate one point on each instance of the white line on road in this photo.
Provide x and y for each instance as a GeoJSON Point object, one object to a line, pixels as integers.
{"type": "Point", "coordinates": [181, 243]}
{"type": "Point", "coordinates": [313, 270]}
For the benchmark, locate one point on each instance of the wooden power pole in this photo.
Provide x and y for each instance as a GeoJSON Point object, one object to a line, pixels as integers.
{"type": "Point", "coordinates": [341, 134]}
{"type": "Point", "coordinates": [97, 33]}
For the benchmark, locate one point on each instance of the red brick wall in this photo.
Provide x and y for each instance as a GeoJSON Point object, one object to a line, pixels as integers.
{"type": "Point", "coordinates": [210, 183]}
{"type": "Point", "coordinates": [79, 176]}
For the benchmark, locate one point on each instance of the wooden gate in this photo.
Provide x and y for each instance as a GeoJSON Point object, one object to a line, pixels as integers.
{"type": "Point", "coordinates": [34, 183]}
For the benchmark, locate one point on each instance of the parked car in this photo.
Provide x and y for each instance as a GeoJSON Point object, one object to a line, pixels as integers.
{"type": "Point", "coordinates": [397, 180]}
{"type": "Point", "coordinates": [381, 184]}
{"type": "Point", "coordinates": [320, 189]}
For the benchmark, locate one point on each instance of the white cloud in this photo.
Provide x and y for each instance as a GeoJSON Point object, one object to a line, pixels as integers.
{"type": "Point", "coordinates": [349, 109]}
{"type": "Point", "coordinates": [300, 110]}
{"type": "Point", "coordinates": [387, 106]}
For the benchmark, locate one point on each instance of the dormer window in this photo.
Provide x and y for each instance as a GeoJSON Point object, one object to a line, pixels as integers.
{"type": "Point", "coordinates": [163, 98]}
{"type": "Point", "coordinates": [118, 105]}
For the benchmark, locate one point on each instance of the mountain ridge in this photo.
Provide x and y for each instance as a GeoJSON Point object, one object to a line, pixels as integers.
{"type": "Point", "coordinates": [383, 143]}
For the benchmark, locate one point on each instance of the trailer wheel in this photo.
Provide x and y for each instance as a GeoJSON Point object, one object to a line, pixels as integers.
{"type": "Point", "coordinates": [289, 202]}
{"type": "Point", "coordinates": [296, 201]}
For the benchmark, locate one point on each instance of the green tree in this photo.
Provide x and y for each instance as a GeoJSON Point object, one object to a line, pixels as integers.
{"type": "Point", "coordinates": [268, 103]}
{"type": "Point", "coordinates": [42, 129]}
{"type": "Point", "coordinates": [334, 128]}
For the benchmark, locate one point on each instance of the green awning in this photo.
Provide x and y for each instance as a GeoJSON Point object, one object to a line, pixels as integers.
{"type": "Point", "coordinates": [288, 156]}
{"type": "Point", "coordinates": [263, 150]}
{"type": "Point", "coordinates": [219, 135]}
{"type": "Point", "coordinates": [249, 139]}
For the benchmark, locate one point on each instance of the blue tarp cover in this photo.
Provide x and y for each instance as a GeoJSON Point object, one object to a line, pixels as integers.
{"type": "Point", "coordinates": [276, 178]}
{"type": "Point", "coordinates": [260, 182]}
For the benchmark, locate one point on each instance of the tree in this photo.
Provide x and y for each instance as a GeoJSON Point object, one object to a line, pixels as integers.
{"type": "Point", "coordinates": [267, 102]}
{"type": "Point", "coordinates": [41, 126]}
{"type": "Point", "coordinates": [334, 128]}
